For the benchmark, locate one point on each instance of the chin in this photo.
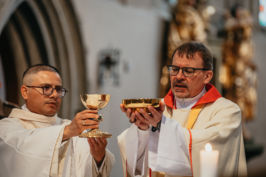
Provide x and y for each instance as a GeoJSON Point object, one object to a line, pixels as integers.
{"type": "Point", "coordinates": [51, 110]}
{"type": "Point", "coordinates": [181, 95]}
{"type": "Point", "coordinates": [50, 113]}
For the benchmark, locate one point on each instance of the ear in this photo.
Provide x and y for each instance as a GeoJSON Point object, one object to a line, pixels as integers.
{"type": "Point", "coordinates": [208, 76]}
{"type": "Point", "coordinates": [24, 92]}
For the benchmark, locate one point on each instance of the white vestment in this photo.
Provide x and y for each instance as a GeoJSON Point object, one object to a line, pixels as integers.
{"type": "Point", "coordinates": [31, 146]}
{"type": "Point", "coordinates": [167, 151]}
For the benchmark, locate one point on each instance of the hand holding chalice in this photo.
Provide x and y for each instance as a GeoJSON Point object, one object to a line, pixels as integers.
{"type": "Point", "coordinates": [95, 101]}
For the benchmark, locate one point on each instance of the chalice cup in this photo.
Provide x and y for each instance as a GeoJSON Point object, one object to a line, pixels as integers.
{"type": "Point", "coordinates": [95, 101]}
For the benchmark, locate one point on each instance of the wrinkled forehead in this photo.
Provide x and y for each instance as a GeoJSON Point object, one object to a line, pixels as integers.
{"type": "Point", "coordinates": [187, 57]}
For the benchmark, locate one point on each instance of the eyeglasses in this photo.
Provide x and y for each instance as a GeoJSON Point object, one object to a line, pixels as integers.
{"type": "Point", "coordinates": [48, 90]}
{"type": "Point", "coordinates": [187, 71]}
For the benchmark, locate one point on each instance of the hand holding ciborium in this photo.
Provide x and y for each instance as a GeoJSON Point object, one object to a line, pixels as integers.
{"type": "Point", "coordinates": [141, 105]}
{"type": "Point", "coordinates": [136, 104]}
{"type": "Point", "coordinates": [95, 102]}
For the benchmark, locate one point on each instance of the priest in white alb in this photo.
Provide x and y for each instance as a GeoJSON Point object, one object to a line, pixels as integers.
{"type": "Point", "coordinates": [35, 142]}
{"type": "Point", "coordinates": [166, 141]}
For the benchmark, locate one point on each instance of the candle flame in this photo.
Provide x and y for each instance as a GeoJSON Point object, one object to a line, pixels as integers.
{"type": "Point", "coordinates": [208, 147]}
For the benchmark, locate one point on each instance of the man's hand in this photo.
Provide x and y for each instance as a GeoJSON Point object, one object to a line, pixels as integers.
{"type": "Point", "coordinates": [83, 120]}
{"type": "Point", "coordinates": [132, 118]}
{"type": "Point", "coordinates": [128, 113]}
{"type": "Point", "coordinates": [97, 148]}
{"type": "Point", "coordinates": [143, 119]}
{"type": "Point", "coordinates": [151, 117]}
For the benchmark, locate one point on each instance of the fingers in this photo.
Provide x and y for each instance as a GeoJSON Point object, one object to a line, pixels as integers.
{"type": "Point", "coordinates": [101, 142]}
{"type": "Point", "coordinates": [141, 125]}
{"type": "Point", "coordinates": [142, 116]}
{"type": "Point", "coordinates": [132, 118]}
{"type": "Point", "coordinates": [162, 106]}
{"type": "Point", "coordinates": [97, 148]}
{"type": "Point", "coordinates": [153, 115]}
{"type": "Point", "coordinates": [95, 111]}
{"type": "Point", "coordinates": [122, 107]}
{"type": "Point", "coordinates": [157, 111]}
{"type": "Point", "coordinates": [97, 142]}
{"type": "Point", "coordinates": [130, 114]}
{"type": "Point", "coordinates": [89, 126]}
{"type": "Point", "coordinates": [86, 119]}
{"type": "Point", "coordinates": [89, 121]}
{"type": "Point", "coordinates": [125, 110]}
{"type": "Point", "coordinates": [128, 111]}
{"type": "Point", "coordinates": [91, 116]}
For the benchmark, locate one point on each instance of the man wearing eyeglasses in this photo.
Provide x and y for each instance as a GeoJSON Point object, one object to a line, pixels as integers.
{"type": "Point", "coordinates": [166, 142]}
{"type": "Point", "coordinates": [35, 142]}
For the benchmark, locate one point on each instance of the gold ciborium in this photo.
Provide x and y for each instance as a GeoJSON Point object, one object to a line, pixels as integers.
{"type": "Point", "coordinates": [136, 104]}
{"type": "Point", "coordinates": [95, 101]}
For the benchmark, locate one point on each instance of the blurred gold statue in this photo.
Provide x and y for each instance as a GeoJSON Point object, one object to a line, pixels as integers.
{"type": "Point", "coordinates": [187, 23]}
{"type": "Point", "coordinates": [238, 71]}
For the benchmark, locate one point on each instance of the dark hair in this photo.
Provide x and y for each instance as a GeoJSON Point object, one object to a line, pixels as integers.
{"type": "Point", "coordinates": [191, 48]}
{"type": "Point", "coordinates": [39, 67]}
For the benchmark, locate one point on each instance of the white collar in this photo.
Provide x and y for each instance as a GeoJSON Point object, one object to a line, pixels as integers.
{"type": "Point", "coordinates": [188, 103]}
{"type": "Point", "coordinates": [26, 114]}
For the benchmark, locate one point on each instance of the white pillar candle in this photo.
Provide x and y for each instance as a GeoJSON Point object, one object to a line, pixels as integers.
{"type": "Point", "coordinates": [208, 161]}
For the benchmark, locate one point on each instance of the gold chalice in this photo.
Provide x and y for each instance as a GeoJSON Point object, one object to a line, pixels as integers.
{"type": "Point", "coordinates": [95, 101]}
{"type": "Point", "coordinates": [136, 104]}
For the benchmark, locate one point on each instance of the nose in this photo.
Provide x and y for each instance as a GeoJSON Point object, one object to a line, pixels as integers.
{"type": "Point", "coordinates": [54, 94]}
{"type": "Point", "coordinates": [180, 74]}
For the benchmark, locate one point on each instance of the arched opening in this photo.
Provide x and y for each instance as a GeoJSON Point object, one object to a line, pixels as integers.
{"type": "Point", "coordinates": [42, 31]}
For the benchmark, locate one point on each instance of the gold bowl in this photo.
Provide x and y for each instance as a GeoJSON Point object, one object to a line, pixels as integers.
{"type": "Point", "coordinates": [141, 103]}
{"type": "Point", "coordinates": [95, 101]}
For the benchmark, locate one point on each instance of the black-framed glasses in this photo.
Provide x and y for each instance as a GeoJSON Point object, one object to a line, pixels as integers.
{"type": "Point", "coordinates": [187, 71]}
{"type": "Point", "coordinates": [48, 90]}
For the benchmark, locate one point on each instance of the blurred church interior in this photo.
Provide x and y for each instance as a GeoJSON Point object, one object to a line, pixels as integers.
{"type": "Point", "coordinates": [122, 47]}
